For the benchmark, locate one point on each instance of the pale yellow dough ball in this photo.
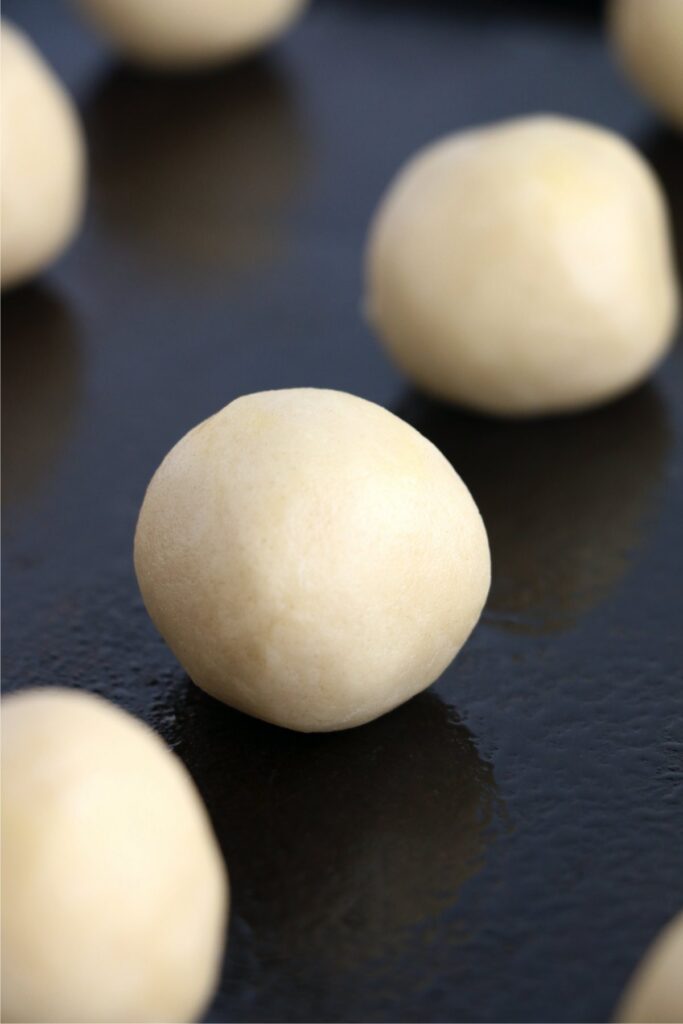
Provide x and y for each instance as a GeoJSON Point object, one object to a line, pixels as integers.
{"type": "Point", "coordinates": [654, 995]}
{"type": "Point", "coordinates": [114, 892]}
{"type": "Point", "coordinates": [648, 38]}
{"type": "Point", "coordinates": [43, 161]}
{"type": "Point", "coordinates": [524, 268]}
{"type": "Point", "coordinates": [310, 558]}
{"type": "Point", "coordinates": [190, 33]}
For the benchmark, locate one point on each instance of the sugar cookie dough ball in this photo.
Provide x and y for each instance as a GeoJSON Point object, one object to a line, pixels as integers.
{"type": "Point", "coordinates": [114, 893]}
{"type": "Point", "coordinates": [524, 268]}
{"type": "Point", "coordinates": [654, 995]}
{"type": "Point", "coordinates": [190, 33]}
{"type": "Point", "coordinates": [310, 558]}
{"type": "Point", "coordinates": [43, 161]}
{"type": "Point", "coordinates": [648, 38]}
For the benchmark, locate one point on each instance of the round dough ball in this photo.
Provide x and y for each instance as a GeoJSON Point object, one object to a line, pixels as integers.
{"type": "Point", "coordinates": [524, 268]}
{"type": "Point", "coordinates": [310, 558]}
{"type": "Point", "coordinates": [43, 161]}
{"type": "Point", "coordinates": [190, 33]}
{"type": "Point", "coordinates": [114, 892]}
{"type": "Point", "coordinates": [654, 995]}
{"type": "Point", "coordinates": [648, 38]}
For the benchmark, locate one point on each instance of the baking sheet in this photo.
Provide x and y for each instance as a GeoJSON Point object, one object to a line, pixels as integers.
{"type": "Point", "coordinates": [503, 847]}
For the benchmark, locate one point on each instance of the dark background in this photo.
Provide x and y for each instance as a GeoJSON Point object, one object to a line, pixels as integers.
{"type": "Point", "coordinates": [504, 847]}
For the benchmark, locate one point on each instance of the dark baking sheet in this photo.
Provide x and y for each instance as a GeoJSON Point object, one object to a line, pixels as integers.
{"type": "Point", "coordinates": [501, 848]}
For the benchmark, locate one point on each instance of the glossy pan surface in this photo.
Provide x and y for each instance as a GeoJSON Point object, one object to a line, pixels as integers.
{"type": "Point", "coordinates": [503, 847]}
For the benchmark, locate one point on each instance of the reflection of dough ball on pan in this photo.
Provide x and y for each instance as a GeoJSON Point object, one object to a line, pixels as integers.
{"type": "Point", "coordinates": [190, 33]}
{"type": "Point", "coordinates": [41, 387]}
{"type": "Point", "coordinates": [565, 502]}
{"type": "Point", "coordinates": [196, 177]}
{"type": "Point", "coordinates": [415, 807]}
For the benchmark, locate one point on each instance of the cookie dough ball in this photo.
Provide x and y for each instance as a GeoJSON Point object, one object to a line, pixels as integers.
{"type": "Point", "coordinates": [310, 558]}
{"type": "Point", "coordinates": [114, 893]}
{"type": "Point", "coordinates": [524, 268]}
{"type": "Point", "coordinates": [43, 161]}
{"type": "Point", "coordinates": [654, 994]}
{"type": "Point", "coordinates": [648, 39]}
{"type": "Point", "coordinates": [190, 33]}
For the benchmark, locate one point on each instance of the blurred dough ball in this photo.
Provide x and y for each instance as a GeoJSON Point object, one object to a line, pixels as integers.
{"type": "Point", "coordinates": [648, 38]}
{"type": "Point", "coordinates": [654, 995]}
{"type": "Point", "coordinates": [43, 161]}
{"type": "Point", "coordinates": [524, 268]}
{"type": "Point", "coordinates": [310, 558]}
{"type": "Point", "coordinates": [114, 890]}
{"type": "Point", "coordinates": [190, 33]}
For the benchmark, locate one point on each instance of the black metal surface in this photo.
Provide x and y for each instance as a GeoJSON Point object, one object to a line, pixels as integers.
{"type": "Point", "coordinates": [504, 847]}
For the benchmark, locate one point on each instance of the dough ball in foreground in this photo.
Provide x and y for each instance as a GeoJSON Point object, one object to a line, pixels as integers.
{"type": "Point", "coordinates": [114, 890]}
{"type": "Point", "coordinates": [190, 33]}
{"type": "Point", "coordinates": [648, 39]}
{"type": "Point", "coordinates": [654, 995]}
{"type": "Point", "coordinates": [310, 558]}
{"type": "Point", "coordinates": [524, 268]}
{"type": "Point", "coordinates": [43, 161]}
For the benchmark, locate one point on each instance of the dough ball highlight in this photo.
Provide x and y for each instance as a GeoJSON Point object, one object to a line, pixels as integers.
{"type": "Point", "coordinates": [43, 161]}
{"type": "Point", "coordinates": [654, 995]}
{"type": "Point", "coordinates": [524, 268]}
{"type": "Point", "coordinates": [114, 891]}
{"type": "Point", "coordinates": [190, 33]}
{"type": "Point", "coordinates": [648, 41]}
{"type": "Point", "coordinates": [310, 558]}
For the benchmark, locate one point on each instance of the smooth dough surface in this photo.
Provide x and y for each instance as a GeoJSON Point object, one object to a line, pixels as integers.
{"type": "Point", "coordinates": [114, 892]}
{"type": "Point", "coordinates": [524, 268]}
{"type": "Point", "coordinates": [190, 33]}
{"type": "Point", "coordinates": [43, 161]}
{"type": "Point", "coordinates": [654, 995]}
{"type": "Point", "coordinates": [310, 558]}
{"type": "Point", "coordinates": [648, 39]}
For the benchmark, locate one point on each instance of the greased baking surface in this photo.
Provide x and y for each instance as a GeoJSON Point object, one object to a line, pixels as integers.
{"type": "Point", "coordinates": [584, 705]}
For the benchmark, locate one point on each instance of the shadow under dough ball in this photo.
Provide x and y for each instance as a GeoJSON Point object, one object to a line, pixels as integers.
{"type": "Point", "coordinates": [524, 268]}
{"type": "Point", "coordinates": [310, 558]}
{"type": "Point", "coordinates": [190, 33]}
{"type": "Point", "coordinates": [359, 875]}
{"type": "Point", "coordinates": [42, 388]}
{"type": "Point", "coordinates": [567, 502]}
{"type": "Point", "coordinates": [115, 894]}
{"type": "Point", "coordinates": [196, 176]}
